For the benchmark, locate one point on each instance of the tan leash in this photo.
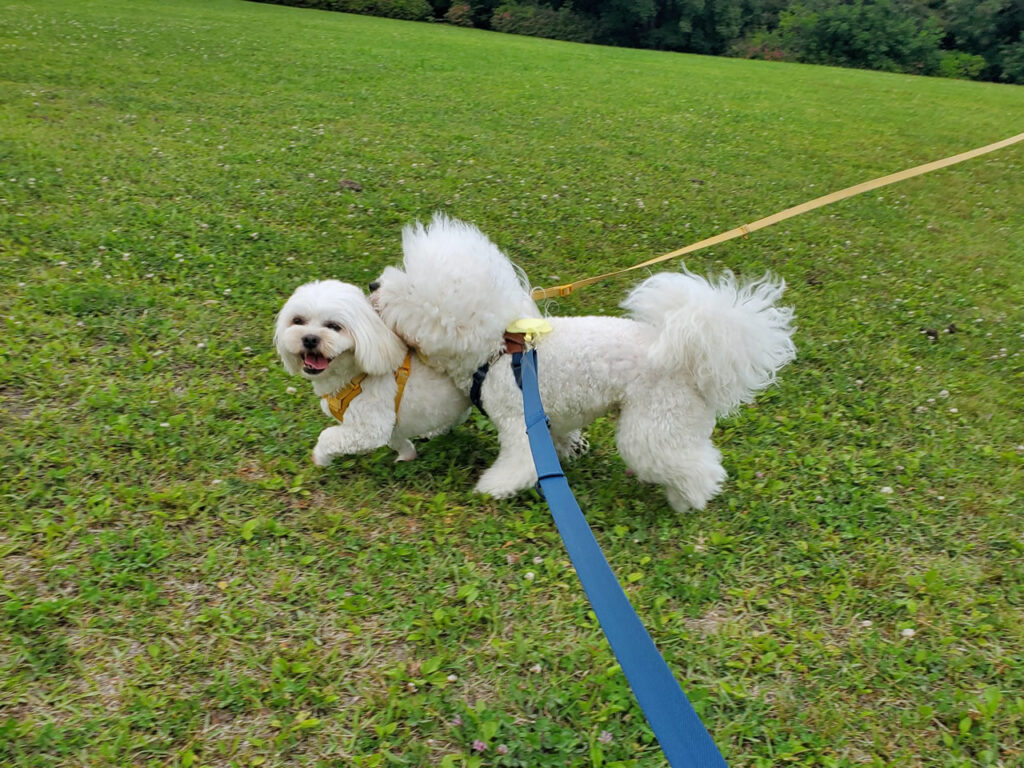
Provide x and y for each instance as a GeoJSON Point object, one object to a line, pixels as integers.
{"type": "Point", "coordinates": [746, 229]}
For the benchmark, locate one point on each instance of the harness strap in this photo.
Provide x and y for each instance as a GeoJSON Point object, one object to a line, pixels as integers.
{"type": "Point", "coordinates": [682, 736]}
{"type": "Point", "coordinates": [515, 344]}
{"type": "Point", "coordinates": [342, 399]}
{"type": "Point", "coordinates": [478, 384]}
{"type": "Point", "coordinates": [401, 377]}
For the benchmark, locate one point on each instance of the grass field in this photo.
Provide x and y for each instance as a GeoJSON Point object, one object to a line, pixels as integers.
{"type": "Point", "coordinates": [181, 586]}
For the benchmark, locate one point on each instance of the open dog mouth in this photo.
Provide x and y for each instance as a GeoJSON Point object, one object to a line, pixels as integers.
{"type": "Point", "coordinates": [314, 363]}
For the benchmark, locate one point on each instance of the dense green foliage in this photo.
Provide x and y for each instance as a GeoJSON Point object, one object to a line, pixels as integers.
{"type": "Point", "coordinates": [181, 588]}
{"type": "Point", "coordinates": [409, 10]}
{"type": "Point", "coordinates": [951, 38]}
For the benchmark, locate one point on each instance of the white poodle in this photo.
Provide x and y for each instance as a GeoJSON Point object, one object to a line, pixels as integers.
{"type": "Point", "coordinates": [368, 380]}
{"type": "Point", "coordinates": [690, 350]}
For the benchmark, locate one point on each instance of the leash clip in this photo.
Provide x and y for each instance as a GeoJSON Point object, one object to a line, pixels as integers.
{"type": "Point", "coordinates": [529, 328]}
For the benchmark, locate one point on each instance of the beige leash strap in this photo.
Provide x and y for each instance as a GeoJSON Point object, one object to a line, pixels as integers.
{"type": "Point", "coordinates": [746, 229]}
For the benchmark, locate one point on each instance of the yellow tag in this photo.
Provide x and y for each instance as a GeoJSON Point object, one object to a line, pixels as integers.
{"type": "Point", "coordinates": [530, 327]}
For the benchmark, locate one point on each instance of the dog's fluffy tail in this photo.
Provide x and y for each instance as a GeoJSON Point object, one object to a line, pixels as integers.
{"type": "Point", "coordinates": [728, 335]}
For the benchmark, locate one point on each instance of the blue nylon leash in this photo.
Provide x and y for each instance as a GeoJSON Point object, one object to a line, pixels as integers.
{"type": "Point", "coordinates": [681, 734]}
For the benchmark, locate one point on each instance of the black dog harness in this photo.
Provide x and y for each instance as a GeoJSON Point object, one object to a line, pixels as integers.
{"type": "Point", "coordinates": [514, 342]}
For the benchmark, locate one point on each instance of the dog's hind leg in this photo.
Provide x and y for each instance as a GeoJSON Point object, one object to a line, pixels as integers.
{"type": "Point", "coordinates": [513, 470]}
{"type": "Point", "coordinates": [697, 480]}
{"type": "Point", "coordinates": [570, 445]}
{"type": "Point", "coordinates": [674, 453]}
{"type": "Point", "coordinates": [403, 447]}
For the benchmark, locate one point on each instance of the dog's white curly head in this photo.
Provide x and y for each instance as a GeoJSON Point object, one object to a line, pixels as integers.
{"type": "Point", "coordinates": [454, 295]}
{"type": "Point", "coordinates": [329, 323]}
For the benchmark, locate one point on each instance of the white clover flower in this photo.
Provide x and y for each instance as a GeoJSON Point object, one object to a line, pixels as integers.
{"type": "Point", "coordinates": [908, 632]}
{"type": "Point", "coordinates": [529, 576]}
{"type": "Point", "coordinates": [886, 489]}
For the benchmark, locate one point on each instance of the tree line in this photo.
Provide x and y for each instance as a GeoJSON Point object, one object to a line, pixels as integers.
{"type": "Point", "coordinates": [970, 39]}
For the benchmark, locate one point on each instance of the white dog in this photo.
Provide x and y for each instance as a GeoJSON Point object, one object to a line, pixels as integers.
{"type": "Point", "coordinates": [692, 349]}
{"type": "Point", "coordinates": [379, 392]}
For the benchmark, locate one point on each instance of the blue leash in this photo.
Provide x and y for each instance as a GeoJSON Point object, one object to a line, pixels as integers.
{"type": "Point", "coordinates": [683, 738]}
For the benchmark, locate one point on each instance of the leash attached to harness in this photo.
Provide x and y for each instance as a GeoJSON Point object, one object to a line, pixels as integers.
{"type": "Point", "coordinates": [681, 734]}
{"type": "Point", "coordinates": [515, 341]}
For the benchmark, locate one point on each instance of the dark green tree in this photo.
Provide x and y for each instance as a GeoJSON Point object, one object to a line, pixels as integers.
{"type": "Point", "coordinates": [989, 28]}
{"type": "Point", "coordinates": [869, 34]}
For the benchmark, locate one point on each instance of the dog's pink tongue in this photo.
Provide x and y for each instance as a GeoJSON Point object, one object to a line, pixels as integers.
{"type": "Point", "coordinates": [315, 361]}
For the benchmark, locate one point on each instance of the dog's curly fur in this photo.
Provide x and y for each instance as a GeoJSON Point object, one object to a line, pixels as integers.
{"type": "Point", "coordinates": [691, 349]}
{"type": "Point", "coordinates": [328, 333]}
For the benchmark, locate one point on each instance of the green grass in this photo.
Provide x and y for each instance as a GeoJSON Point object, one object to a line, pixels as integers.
{"type": "Point", "coordinates": [182, 587]}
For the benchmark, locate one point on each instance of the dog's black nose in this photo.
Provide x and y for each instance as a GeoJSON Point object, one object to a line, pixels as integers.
{"type": "Point", "coordinates": [310, 341]}
{"type": "Point", "coordinates": [374, 286]}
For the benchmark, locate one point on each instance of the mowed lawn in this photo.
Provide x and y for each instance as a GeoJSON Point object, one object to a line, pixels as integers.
{"type": "Point", "coordinates": [182, 587]}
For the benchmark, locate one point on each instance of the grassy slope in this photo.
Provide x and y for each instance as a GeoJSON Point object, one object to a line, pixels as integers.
{"type": "Point", "coordinates": [180, 585]}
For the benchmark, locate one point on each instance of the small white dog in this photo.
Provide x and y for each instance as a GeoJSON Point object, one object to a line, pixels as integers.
{"type": "Point", "coordinates": [368, 380]}
{"type": "Point", "coordinates": [692, 349]}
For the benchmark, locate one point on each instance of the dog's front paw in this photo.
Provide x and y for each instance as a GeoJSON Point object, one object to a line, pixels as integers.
{"type": "Point", "coordinates": [494, 493]}
{"type": "Point", "coordinates": [500, 486]}
{"type": "Point", "coordinates": [321, 458]}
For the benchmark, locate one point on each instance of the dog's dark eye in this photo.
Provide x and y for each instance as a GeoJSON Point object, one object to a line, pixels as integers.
{"type": "Point", "coordinates": [298, 321]}
{"type": "Point", "coordinates": [333, 326]}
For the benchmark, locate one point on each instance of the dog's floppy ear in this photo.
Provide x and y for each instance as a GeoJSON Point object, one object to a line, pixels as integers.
{"type": "Point", "coordinates": [291, 362]}
{"type": "Point", "coordinates": [377, 349]}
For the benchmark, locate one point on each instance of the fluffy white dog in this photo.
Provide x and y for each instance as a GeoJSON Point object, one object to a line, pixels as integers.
{"type": "Point", "coordinates": [379, 392]}
{"type": "Point", "coordinates": [690, 350]}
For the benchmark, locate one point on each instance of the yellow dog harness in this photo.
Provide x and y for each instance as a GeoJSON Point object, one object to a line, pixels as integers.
{"type": "Point", "coordinates": [342, 399]}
